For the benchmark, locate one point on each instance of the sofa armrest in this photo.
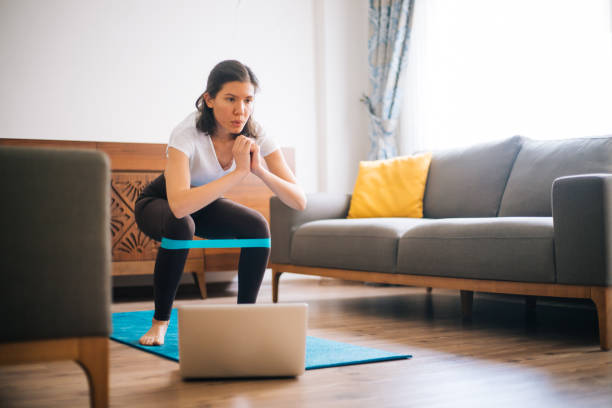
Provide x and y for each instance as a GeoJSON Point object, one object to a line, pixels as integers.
{"type": "Point", "coordinates": [582, 217]}
{"type": "Point", "coordinates": [56, 243]}
{"type": "Point", "coordinates": [285, 220]}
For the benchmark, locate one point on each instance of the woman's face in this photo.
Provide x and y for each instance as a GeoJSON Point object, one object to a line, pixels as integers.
{"type": "Point", "coordinates": [232, 106]}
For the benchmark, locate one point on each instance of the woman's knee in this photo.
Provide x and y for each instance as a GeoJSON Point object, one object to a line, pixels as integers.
{"type": "Point", "coordinates": [259, 227]}
{"type": "Point", "coordinates": [179, 228]}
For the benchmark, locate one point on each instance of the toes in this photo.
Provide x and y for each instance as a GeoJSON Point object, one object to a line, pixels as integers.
{"type": "Point", "coordinates": [147, 340]}
{"type": "Point", "coordinates": [151, 340]}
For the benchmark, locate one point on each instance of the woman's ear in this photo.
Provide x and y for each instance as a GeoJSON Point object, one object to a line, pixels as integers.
{"type": "Point", "coordinates": [208, 100]}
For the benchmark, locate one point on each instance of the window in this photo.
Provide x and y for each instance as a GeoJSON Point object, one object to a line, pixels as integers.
{"type": "Point", "coordinates": [489, 69]}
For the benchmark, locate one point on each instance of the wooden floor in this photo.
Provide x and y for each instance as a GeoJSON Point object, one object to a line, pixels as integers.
{"type": "Point", "coordinates": [506, 357]}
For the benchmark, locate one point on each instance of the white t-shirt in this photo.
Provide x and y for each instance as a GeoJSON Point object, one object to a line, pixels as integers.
{"type": "Point", "coordinates": [198, 146]}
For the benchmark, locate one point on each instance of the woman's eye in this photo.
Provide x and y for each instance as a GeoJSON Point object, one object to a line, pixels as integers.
{"type": "Point", "coordinates": [230, 99]}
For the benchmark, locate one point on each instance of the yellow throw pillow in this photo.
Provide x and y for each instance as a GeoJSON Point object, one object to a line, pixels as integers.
{"type": "Point", "coordinates": [390, 188]}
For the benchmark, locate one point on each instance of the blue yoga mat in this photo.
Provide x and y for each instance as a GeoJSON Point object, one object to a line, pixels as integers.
{"type": "Point", "coordinates": [320, 353]}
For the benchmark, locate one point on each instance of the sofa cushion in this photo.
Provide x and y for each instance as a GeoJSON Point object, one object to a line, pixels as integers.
{"type": "Point", "coordinates": [469, 182]}
{"type": "Point", "coordinates": [390, 188]}
{"type": "Point", "coordinates": [509, 249]}
{"type": "Point", "coordinates": [539, 163]}
{"type": "Point", "coordinates": [368, 244]}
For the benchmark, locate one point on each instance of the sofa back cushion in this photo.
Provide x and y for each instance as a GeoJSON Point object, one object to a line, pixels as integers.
{"type": "Point", "coordinates": [469, 182]}
{"type": "Point", "coordinates": [540, 162]}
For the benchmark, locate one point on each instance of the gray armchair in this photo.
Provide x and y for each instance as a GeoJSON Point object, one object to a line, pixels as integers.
{"type": "Point", "coordinates": [55, 260]}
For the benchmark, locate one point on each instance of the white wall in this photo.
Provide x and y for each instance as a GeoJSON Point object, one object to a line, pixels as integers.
{"type": "Point", "coordinates": [129, 70]}
{"type": "Point", "coordinates": [341, 47]}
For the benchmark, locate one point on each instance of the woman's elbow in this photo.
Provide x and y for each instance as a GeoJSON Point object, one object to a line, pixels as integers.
{"type": "Point", "coordinates": [176, 210]}
{"type": "Point", "coordinates": [301, 203]}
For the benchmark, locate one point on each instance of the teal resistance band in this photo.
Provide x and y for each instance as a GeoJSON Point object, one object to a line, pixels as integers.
{"type": "Point", "coordinates": [168, 243]}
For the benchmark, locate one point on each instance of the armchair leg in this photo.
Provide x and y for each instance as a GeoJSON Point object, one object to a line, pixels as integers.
{"type": "Point", "coordinates": [467, 300]}
{"type": "Point", "coordinates": [275, 279]}
{"type": "Point", "coordinates": [602, 297]}
{"type": "Point", "coordinates": [93, 358]}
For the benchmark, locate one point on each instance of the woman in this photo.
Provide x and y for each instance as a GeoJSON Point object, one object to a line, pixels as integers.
{"type": "Point", "coordinates": [209, 152]}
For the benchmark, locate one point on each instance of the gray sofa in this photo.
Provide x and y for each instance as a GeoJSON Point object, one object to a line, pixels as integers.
{"type": "Point", "coordinates": [55, 263]}
{"type": "Point", "coordinates": [516, 216]}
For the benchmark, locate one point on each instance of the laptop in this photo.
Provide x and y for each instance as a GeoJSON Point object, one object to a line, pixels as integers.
{"type": "Point", "coordinates": [245, 340]}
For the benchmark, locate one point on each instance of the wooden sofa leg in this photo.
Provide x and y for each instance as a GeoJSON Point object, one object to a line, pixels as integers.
{"type": "Point", "coordinates": [275, 279]}
{"type": "Point", "coordinates": [93, 358]}
{"type": "Point", "coordinates": [602, 297]}
{"type": "Point", "coordinates": [467, 300]}
{"type": "Point", "coordinates": [200, 278]}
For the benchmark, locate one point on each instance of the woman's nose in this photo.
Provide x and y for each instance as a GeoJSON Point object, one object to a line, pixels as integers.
{"type": "Point", "coordinates": [240, 108]}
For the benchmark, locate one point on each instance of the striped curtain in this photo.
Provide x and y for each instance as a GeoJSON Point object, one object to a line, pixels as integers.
{"type": "Point", "coordinates": [389, 33]}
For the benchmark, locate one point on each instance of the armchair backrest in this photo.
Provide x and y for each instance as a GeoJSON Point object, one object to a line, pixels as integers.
{"type": "Point", "coordinates": [55, 243]}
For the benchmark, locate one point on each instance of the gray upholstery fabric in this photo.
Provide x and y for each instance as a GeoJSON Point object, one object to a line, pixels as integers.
{"type": "Point", "coordinates": [528, 192]}
{"type": "Point", "coordinates": [55, 263]}
{"type": "Point", "coordinates": [582, 213]}
{"type": "Point", "coordinates": [469, 182]}
{"type": "Point", "coordinates": [508, 249]}
{"type": "Point", "coordinates": [368, 244]}
{"type": "Point", "coordinates": [285, 220]}
{"type": "Point", "coordinates": [489, 217]}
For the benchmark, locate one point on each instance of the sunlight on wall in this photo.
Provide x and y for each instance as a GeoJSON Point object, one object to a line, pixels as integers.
{"type": "Point", "coordinates": [490, 69]}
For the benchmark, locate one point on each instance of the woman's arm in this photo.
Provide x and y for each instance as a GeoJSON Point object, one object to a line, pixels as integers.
{"type": "Point", "coordinates": [279, 178]}
{"type": "Point", "coordinates": [183, 199]}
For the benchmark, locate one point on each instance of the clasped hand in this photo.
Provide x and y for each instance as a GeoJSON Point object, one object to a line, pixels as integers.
{"type": "Point", "coordinates": [246, 154]}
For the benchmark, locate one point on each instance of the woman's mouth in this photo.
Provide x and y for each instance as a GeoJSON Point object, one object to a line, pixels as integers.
{"type": "Point", "coordinates": [236, 123]}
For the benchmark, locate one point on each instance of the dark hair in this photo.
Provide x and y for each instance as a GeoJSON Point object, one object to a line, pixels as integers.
{"type": "Point", "coordinates": [223, 72]}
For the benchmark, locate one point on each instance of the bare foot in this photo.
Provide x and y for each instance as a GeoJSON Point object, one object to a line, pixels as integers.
{"type": "Point", "coordinates": [156, 334]}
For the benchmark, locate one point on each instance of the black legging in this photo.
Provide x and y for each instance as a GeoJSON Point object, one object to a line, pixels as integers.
{"type": "Point", "coordinates": [220, 219]}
